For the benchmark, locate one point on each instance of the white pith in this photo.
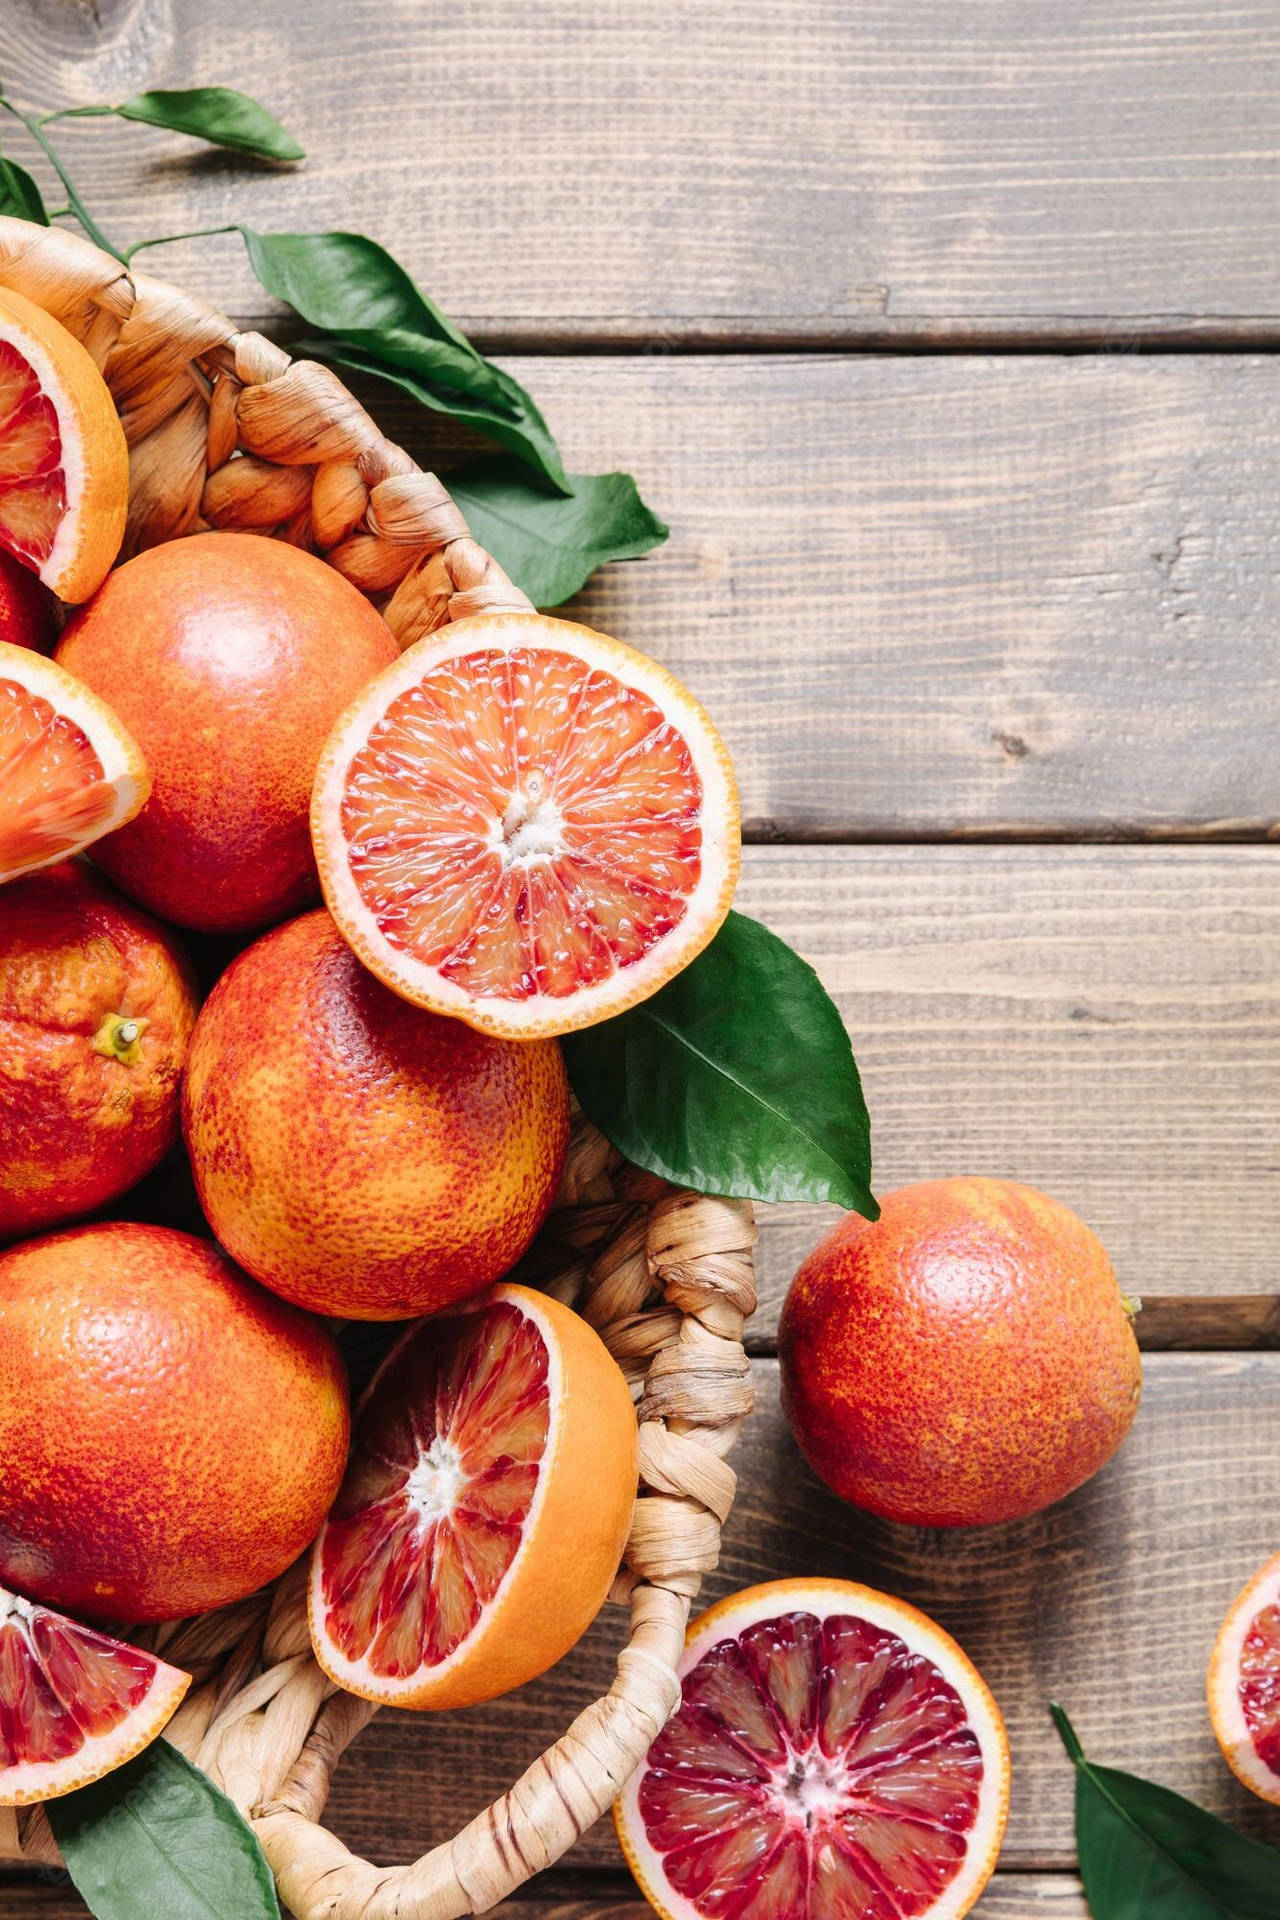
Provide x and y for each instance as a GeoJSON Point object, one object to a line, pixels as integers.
{"type": "Point", "coordinates": [66, 539]}
{"type": "Point", "coordinates": [529, 828]}
{"type": "Point", "coordinates": [818, 1785]}
{"type": "Point", "coordinates": [1230, 1724]}
{"type": "Point", "coordinates": [47, 1779]}
{"type": "Point", "coordinates": [116, 752]}
{"type": "Point", "coordinates": [359, 1673]}
{"type": "Point", "coordinates": [433, 1487]}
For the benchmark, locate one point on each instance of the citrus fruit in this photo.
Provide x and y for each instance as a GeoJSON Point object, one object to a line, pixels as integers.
{"type": "Point", "coordinates": [73, 1702]}
{"type": "Point", "coordinates": [172, 1434]}
{"type": "Point", "coordinates": [64, 465]}
{"type": "Point", "coordinates": [27, 610]}
{"type": "Point", "coordinates": [485, 1509]}
{"type": "Point", "coordinates": [97, 1004]}
{"type": "Point", "coordinates": [68, 770]}
{"type": "Point", "coordinates": [967, 1358]}
{"type": "Point", "coordinates": [361, 1156]}
{"type": "Point", "coordinates": [835, 1756]}
{"type": "Point", "coordinates": [525, 824]}
{"type": "Point", "coordinates": [1244, 1685]}
{"type": "Point", "coordinates": [230, 656]}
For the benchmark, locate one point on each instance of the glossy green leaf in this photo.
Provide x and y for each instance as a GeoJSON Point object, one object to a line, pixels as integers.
{"type": "Point", "coordinates": [551, 543]}
{"type": "Point", "coordinates": [19, 194]}
{"type": "Point", "coordinates": [737, 1078]}
{"type": "Point", "coordinates": [375, 321]}
{"type": "Point", "coordinates": [1146, 1851]}
{"type": "Point", "coordinates": [220, 115]}
{"type": "Point", "coordinates": [157, 1837]}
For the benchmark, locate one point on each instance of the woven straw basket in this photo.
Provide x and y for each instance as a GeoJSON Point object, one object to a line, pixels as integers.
{"type": "Point", "coordinates": [226, 431]}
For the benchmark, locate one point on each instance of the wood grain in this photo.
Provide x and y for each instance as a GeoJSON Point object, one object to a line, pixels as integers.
{"type": "Point", "coordinates": [645, 170]}
{"type": "Point", "coordinates": [1109, 1602]}
{"type": "Point", "coordinates": [978, 597]}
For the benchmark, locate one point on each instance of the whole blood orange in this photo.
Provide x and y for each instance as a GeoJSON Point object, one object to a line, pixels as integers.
{"type": "Point", "coordinates": [526, 824]}
{"type": "Point", "coordinates": [172, 1434]}
{"type": "Point", "coordinates": [967, 1358]}
{"type": "Point", "coordinates": [97, 1004]}
{"type": "Point", "coordinates": [27, 609]}
{"type": "Point", "coordinates": [357, 1154]}
{"type": "Point", "coordinates": [1244, 1684]}
{"type": "Point", "coordinates": [835, 1756]}
{"type": "Point", "coordinates": [230, 656]}
{"type": "Point", "coordinates": [484, 1513]}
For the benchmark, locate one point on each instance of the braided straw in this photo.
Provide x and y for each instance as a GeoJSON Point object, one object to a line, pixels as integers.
{"type": "Point", "coordinates": [225, 430]}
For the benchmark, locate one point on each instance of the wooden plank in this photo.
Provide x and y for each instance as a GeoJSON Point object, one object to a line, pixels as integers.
{"type": "Point", "coordinates": [1125, 1581]}
{"type": "Point", "coordinates": [1020, 597]}
{"type": "Point", "coordinates": [1101, 1022]}
{"type": "Point", "coordinates": [650, 170]}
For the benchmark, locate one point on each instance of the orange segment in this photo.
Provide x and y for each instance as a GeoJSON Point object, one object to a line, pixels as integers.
{"type": "Point", "coordinates": [526, 824]}
{"type": "Point", "coordinates": [73, 1702]}
{"type": "Point", "coordinates": [64, 464]}
{"type": "Point", "coordinates": [485, 1508]}
{"type": "Point", "coordinates": [834, 1757]}
{"type": "Point", "coordinates": [69, 772]}
{"type": "Point", "coordinates": [1244, 1685]}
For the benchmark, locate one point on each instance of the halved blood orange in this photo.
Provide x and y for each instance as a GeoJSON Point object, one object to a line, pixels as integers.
{"type": "Point", "coordinates": [64, 464]}
{"type": "Point", "coordinates": [74, 1703]}
{"type": "Point", "coordinates": [485, 1508]}
{"type": "Point", "coordinates": [69, 772]}
{"type": "Point", "coordinates": [835, 1756]}
{"type": "Point", "coordinates": [1244, 1685]}
{"type": "Point", "coordinates": [525, 824]}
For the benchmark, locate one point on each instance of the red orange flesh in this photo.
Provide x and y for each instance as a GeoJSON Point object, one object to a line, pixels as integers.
{"type": "Point", "coordinates": [1244, 1684]}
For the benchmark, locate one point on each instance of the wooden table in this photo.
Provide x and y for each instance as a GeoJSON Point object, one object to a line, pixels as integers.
{"type": "Point", "coordinates": [942, 335]}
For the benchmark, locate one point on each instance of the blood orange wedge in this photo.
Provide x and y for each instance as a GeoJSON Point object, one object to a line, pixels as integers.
{"type": "Point", "coordinates": [525, 824]}
{"type": "Point", "coordinates": [73, 1702]}
{"type": "Point", "coordinates": [68, 770]}
{"type": "Point", "coordinates": [485, 1508]}
{"type": "Point", "coordinates": [64, 465]}
{"type": "Point", "coordinates": [835, 1756]}
{"type": "Point", "coordinates": [1244, 1685]}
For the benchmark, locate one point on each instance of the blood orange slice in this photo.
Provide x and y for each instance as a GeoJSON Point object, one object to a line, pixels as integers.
{"type": "Point", "coordinates": [485, 1508]}
{"type": "Point", "coordinates": [64, 464]}
{"type": "Point", "coordinates": [835, 1757]}
{"type": "Point", "coordinates": [73, 1702]}
{"type": "Point", "coordinates": [68, 770]}
{"type": "Point", "coordinates": [525, 824]}
{"type": "Point", "coordinates": [1244, 1685]}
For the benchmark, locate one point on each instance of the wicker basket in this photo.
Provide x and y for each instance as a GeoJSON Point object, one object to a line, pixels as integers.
{"type": "Point", "coordinates": [226, 431]}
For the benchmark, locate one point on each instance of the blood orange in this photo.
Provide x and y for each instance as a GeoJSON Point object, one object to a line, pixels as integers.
{"type": "Point", "coordinates": [835, 1757]}
{"type": "Point", "coordinates": [1244, 1685]}
{"type": "Point", "coordinates": [28, 611]}
{"type": "Point", "coordinates": [526, 825]}
{"type": "Point", "coordinates": [73, 1702]}
{"type": "Point", "coordinates": [485, 1508]}
{"type": "Point", "coordinates": [64, 465]}
{"type": "Point", "coordinates": [68, 770]}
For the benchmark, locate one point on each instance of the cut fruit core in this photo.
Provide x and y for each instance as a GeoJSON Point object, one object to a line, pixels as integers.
{"type": "Point", "coordinates": [1260, 1686]}
{"type": "Point", "coordinates": [73, 1702]}
{"type": "Point", "coordinates": [54, 794]}
{"type": "Point", "coordinates": [816, 1767]}
{"type": "Point", "coordinates": [33, 488]}
{"type": "Point", "coordinates": [445, 1463]}
{"type": "Point", "coordinates": [523, 822]}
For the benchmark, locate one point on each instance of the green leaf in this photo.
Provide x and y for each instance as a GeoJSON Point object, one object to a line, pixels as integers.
{"type": "Point", "coordinates": [1144, 1850]}
{"type": "Point", "coordinates": [374, 320]}
{"type": "Point", "coordinates": [157, 1837]}
{"type": "Point", "coordinates": [219, 115]}
{"type": "Point", "coordinates": [551, 543]}
{"type": "Point", "coordinates": [19, 194]}
{"type": "Point", "coordinates": [737, 1077]}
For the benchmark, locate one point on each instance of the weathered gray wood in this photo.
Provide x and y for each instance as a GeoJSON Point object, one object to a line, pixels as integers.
{"type": "Point", "coordinates": [1103, 1022]}
{"type": "Point", "coordinates": [994, 597]}
{"type": "Point", "coordinates": [842, 170]}
{"type": "Point", "coordinates": [1109, 1602]}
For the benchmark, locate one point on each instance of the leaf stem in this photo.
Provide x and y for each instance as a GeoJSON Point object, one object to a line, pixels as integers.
{"type": "Point", "coordinates": [73, 113]}
{"type": "Point", "coordinates": [76, 204]}
{"type": "Point", "coordinates": [164, 239]}
{"type": "Point", "coordinates": [1067, 1733]}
